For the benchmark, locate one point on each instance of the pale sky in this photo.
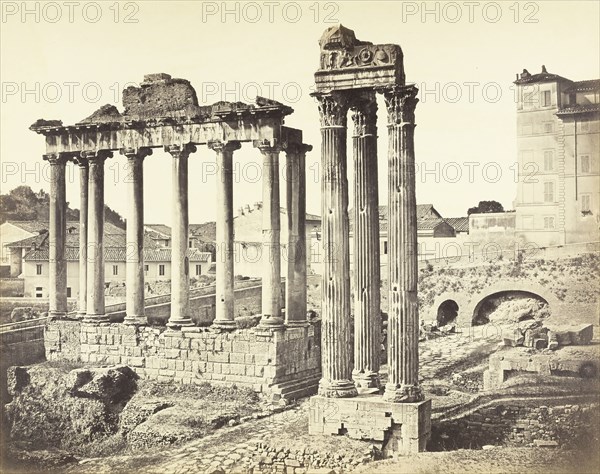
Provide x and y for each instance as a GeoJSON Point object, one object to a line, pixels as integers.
{"type": "Point", "coordinates": [64, 60]}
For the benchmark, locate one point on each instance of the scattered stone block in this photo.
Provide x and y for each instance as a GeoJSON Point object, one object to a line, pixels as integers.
{"type": "Point", "coordinates": [513, 338]}
{"type": "Point", "coordinates": [582, 334]}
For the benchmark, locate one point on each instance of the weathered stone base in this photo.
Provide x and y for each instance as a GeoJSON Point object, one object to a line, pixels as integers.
{"type": "Point", "coordinates": [281, 364]}
{"type": "Point", "coordinates": [398, 428]}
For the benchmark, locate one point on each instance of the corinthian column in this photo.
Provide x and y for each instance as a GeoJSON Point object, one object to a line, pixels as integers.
{"type": "Point", "coordinates": [83, 234]}
{"type": "Point", "coordinates": [367, 312]}
{"type": "Point", "coordinates": [134, 284]}
{"type": "Point", "coordinates": [180, 271]}
{"type": "Point", "coordinates": [57, 235]}
{"type": "Point", "coordinates": [271, 245]}
{"type": "Point", "coordinates": [336, 347]}
{"type": "Point", "coordinates": [224, 318]}
{"type": "Point", "coordinates": [403, 319]}
{"type": "Point", "coordinates": [295, 293]}
{"type": "Point", "coordinates": [95, 251]}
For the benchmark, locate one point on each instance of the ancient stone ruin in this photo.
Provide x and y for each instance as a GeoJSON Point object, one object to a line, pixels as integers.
{"type": "Point", "coordinates": [281, 355]}
{"type": "Point", "coordinates": [165, 113]}
{"type": "Point", "coordinates": [351, 73]}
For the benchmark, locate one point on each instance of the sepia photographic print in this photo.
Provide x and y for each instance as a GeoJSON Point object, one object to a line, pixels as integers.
{"type": "Point", "coordinates": [300, 237]}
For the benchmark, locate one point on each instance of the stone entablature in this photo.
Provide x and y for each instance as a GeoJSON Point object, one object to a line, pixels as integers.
{"type": "Point", "coordinates": [277, 363]}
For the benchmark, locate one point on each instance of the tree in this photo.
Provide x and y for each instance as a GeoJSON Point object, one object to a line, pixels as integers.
{"type": "Point", "coordinates": [23, 204]}
{"type": "Point", "coordinates": [485, 207]}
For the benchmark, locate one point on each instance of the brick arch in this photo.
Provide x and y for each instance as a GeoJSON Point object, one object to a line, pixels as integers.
{"type": "Point", "coordinates": [460, 299]}
{"type": "Point", "coordinates": [534, 289]}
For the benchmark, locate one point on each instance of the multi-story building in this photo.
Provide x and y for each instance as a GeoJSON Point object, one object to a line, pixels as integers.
{"type": "Point", "coordinates": [558, 141]}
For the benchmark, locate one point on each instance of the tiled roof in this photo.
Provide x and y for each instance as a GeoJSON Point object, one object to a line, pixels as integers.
{"type": "Point", "coordinates": [584, 86]}
{"type": "Point", "coordinates": [30, 226]}
{"type": "Point", "coordinates": [423, 211]}
{"type": "Point", "coordinates": [579, 109]}
{"type": "Point", "coordinates": [34, 241]}
{"type": "Point", "coordinates": [118, 254]}
{"type": "Point", "coordinates": [460, 224]}
{"type": "Point", "coordinates": [429, 224]}
{"type": "Point", "coordinates": [540, 77]}
{"type": "Point", "coordinates": [41, 226]}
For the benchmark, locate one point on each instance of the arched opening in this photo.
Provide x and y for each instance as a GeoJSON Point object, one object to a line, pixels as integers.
{"type": "Point", "coordinates": [511, 306]}
{"type": "Point", "coordinates": [447, 312]}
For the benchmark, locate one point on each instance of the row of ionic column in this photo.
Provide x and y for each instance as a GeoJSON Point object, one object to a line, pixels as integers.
{"type": "Point", "coordinates": [91, 262]}
{"type": "Point", "coordinates": [348, 365]}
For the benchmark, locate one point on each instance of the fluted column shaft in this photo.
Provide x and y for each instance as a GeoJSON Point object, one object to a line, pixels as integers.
{"type": "Point", "coordinates": [336, 347]}
{"type": "Point", "coordinates": [180, 275]}
{"type": "Point", "coordinates": [224, 318]}
{"type": "Point", "coordinates": [366, 271]}
{"type": "Point", "coordinates": [57, 235]}
{"type": "Point", "coordinates": [83, 234]}
{"type": "Point", "coordinates": [134, 271]}
{"type": "Point", "coordinates": [295, 293]}
{"type": "Point", "coordinates": [95, 250]}
{"type": "Point", "coordinates": [271, 244]}
{"type": "Point", "coordinates": [403, 319]}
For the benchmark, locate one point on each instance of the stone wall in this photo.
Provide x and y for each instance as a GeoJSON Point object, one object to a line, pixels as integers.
{"type": "Point", "coordinates": [12, 287]}
{"type": "Point", "coordinates": [38, 304]}
{"type": "Point", "coordinates": [520, 423]}
{"type": "Point", "coordinates": [281, 363]}
{"type": "Point", "coordinates": [19, 347]}
{"type": "Point", "coordinates": [202, 304]}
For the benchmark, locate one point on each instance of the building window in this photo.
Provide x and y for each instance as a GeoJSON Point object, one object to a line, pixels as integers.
{"type": "Point", "coordinates": [546, 99]}
{"type": "Point", "coordinates": [527, 222]}
{"type": "Point", "coordinates": [38, 291]}
{"type": "Point", "coordinates": [146, 268]}
{"type": "Point", "coordinates": [548, 191]}
{"type": "Point", "coordinates": [548, 127]}
{"type": "Point", "coordinates": [190, 244]}
{"type": "Point", "coordinates": [161, 270]}
{"type": "Point", "coordinates": [198, 270]}
{"type": "Point", "coordinates": [68, 291]}
{"type": "Point", "coordinates": [38, 269]}
{"type": "Point", "coordinates": [548, 160]}
{"type": "Point", "coordinates": [585, 164]}
{"type": "Point", "coordinates": [549, 222]}
{"type": "Point", "coordinates": [586, 203]}
{"type": "Point", "coordinates": [115, 270]}
{"type": "Point", "coordinates": [385, 247]}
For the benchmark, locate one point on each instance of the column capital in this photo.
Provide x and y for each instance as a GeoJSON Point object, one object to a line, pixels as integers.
{"type": "Point", "coordinates": [179, 151]}
{"type": "Point", "coordinates": [401, 102]}
{"type": "Point", "coordinates": [364, 114]}
{"type": "Point", "coordinates": [224, 146]}
{"type": "Point", "coordinates": [296, 148]}
{"type": "Point", "coordinates": [267, 146]}
{"type": "Point", "coordinates": [59, 158]}
{"type": "Point", "coordinates": [133, 153]}
{"type": "Point", "coordinates": [98, 156]}
{"type": "Point", "coordinates": [333, 108]}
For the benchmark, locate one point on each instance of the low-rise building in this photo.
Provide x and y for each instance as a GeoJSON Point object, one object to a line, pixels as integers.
{"type": "Point", "coordinates": [33, 266]}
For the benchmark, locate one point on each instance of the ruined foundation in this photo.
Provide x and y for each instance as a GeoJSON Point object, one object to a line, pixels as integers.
{"type": "Point", "coordinates": [276, 363]}
{"type": "Point", "coordinates": [396, 428]}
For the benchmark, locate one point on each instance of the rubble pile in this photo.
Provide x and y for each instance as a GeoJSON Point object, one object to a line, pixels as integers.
{"type": "Point", "coordinates": [538, 336]}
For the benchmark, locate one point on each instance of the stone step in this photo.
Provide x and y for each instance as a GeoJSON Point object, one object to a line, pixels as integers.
{"type": "Point", "coordinates": [295, 389]}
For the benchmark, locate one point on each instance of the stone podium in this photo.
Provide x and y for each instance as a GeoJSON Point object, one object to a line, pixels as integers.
{"type": "Point", "coordinates": [350, 399]}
